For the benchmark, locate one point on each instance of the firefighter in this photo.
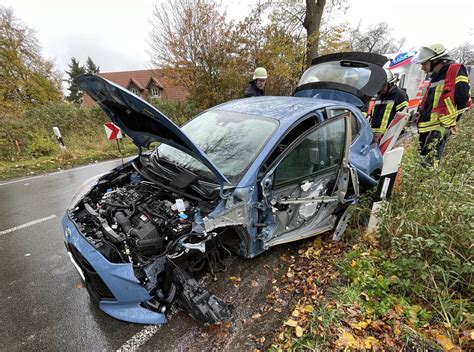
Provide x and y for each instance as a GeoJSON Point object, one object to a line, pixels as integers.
{"type": "Point", "coordinates": [446, 98]}
{"type": "Point", "coordinates": [389, 101]}
{"type": "Point", "coordinates": [256, 87]}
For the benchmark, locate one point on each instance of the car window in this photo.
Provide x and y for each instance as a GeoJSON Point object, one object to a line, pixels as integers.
{"type": "Point", "coordinates": [355, 127]}
{"type": "Point", "coordinates": [335, 71]}
{"type": "Point", "coordinates": [230, 139]}
{"type": "Point", "coordinates": [318, 152]}
{"type": "Point", "coordinates": [295, 132]}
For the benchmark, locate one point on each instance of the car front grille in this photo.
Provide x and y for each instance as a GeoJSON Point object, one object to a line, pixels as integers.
{"type": "Point", "coordinates": [95, 285]}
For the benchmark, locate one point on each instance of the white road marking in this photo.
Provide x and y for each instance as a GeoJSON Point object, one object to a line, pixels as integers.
{"type": "Point", "coordinates": [140, 338]}
{"type": "Point", "coordinates": [63, 171]}
{"type": "Point", "coordinates": [31, 223]}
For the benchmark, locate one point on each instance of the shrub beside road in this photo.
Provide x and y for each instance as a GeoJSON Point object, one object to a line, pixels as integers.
{"type": "Point", "coordinates": [28, 145]}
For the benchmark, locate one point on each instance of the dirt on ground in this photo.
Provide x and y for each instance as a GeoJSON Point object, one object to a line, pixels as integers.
{"type": "Point", "coordinates": [262, 291]}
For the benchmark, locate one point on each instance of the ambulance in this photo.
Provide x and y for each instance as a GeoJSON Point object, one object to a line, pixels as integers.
{"type": "Point", "coordinates": [411, 77]}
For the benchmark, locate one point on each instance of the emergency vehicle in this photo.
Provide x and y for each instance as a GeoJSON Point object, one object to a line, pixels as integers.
{"type": "Point", "coordinates": [411, 77]}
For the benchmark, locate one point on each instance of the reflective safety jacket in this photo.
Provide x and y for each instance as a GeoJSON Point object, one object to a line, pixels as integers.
{"type": "Point", "coordinates": [385, 108]}
{"type": "Point", "coordinates": [447, 95]}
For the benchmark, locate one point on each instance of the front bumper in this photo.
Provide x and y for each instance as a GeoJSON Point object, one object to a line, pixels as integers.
{"type": "Point", "coordinates": [119, 292]}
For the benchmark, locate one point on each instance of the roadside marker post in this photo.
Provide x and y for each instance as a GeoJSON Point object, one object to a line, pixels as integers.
{"type": "Point", "coordinates": [391, 163]}
{"type": "Point", "coordinates": [112, 132]}
{"type": "Point", "coordinates": [394, 130]}
{"type": "Point", "coordinates": [59, 138]}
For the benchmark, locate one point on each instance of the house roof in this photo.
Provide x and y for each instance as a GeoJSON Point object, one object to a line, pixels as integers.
{"type": "Point", "coordinates": [140, 78]}
{"type": "Point", "coordinates": [155, 82]}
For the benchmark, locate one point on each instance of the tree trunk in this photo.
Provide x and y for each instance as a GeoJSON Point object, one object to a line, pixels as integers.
{"type": "Point", "coordinates": [312, 23]}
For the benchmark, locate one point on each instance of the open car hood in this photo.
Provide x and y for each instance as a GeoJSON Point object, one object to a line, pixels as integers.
{"type": "Point", "coordinates": [140, 120]}
{"type": "Point", "coordinates": [353, 77]}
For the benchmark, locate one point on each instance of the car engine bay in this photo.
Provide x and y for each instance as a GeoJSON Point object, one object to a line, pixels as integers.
{"type": "Point", "coordinates": [130, 219]}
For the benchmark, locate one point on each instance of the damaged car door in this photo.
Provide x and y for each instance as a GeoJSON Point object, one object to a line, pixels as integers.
{"type": "Point", "coordinates": [307, 183]}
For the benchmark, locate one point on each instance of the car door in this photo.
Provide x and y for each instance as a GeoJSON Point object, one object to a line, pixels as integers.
{"type": "Point", "coordinates": [306, 184]}
{"type": "Point", "coordinates": [364, 154]}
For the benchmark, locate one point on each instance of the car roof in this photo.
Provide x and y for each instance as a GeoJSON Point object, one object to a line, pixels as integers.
{"type": "Point", "coordinates": [278, 108]}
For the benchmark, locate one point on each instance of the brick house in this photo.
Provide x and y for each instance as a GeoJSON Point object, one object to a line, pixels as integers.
{"type": "Point", "coordinates": [145, 84]}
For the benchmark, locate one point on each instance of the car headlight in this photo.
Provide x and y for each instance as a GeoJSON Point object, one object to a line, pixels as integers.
{"type": "Point", "coordinates": [83, 189]}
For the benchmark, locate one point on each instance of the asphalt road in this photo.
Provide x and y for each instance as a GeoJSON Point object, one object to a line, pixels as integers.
{"type": "Point", "coordinates": [44, 306]}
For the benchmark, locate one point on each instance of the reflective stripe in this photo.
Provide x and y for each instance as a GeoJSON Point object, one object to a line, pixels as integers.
{"type": "Point", "coordinates": [432, 128]}
{"type": "Point", "coordinates": [437, 94]}
{"type": "Point", "coordinates": [449, 105]}
{"type": "Point", "coordinates": [461, 79]}
{"type": "Point", "coordinates": [429, 123]}
{"type": "Point", "coordinates": [401, 105]}
{"type": "Point", "coordinates": [378, 102]}
{"type": "Point", "coordinates": [448, 121]}
{"type": "Point", "coordinates": [386, 117]}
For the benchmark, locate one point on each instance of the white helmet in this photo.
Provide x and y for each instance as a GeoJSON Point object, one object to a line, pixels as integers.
{"type": "Point", "coordinates": [260, 73]}
{"type": "Point", "coordinates": [390, 76]}
{"type": "Point", "coordinates": [429, 53]}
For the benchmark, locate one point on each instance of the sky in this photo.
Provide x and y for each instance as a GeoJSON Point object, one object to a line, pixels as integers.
{"type": "Point", "coordinates": [114, 32]}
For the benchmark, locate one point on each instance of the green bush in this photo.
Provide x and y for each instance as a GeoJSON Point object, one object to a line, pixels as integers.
{"type": "Point", "coordinates": [30, 135]}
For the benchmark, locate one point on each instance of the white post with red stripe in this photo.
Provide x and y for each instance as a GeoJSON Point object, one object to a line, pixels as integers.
{"type": "Point", "coordinates": [112, 132]}
{"type": "Point", "coordinates": [391, 163]}
{"type": "Point", "coordinates": [394, 130]}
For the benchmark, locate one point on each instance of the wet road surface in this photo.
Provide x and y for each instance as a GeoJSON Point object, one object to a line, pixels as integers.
{"type": "Point", "coordinates": [44, 306]}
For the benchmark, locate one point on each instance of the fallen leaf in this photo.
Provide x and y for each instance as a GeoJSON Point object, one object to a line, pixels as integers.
{"type": "Point", "coordinates": [346, 339]}
{"type": "Point", "coordinates": [234, 278]}
{"type": "Point", "coordinates": [378, 325]}
{"type": "Point", "coordinates": [445, 342]}
{"type": "Point", "coordinates": [296, 313]}
{"type": "Point", "coordinates": [299, 331]}
{"type": "Point", "coordinates": [308, 308]}
{"type": "Point", "coordinates": [398, 309]}
{"type": "Point", "coordinates": [256, 316]}
{"type": "Point", "coordinates": [291, 322]}
{"type": "Point", "coordinates": [370, 341]}
{"type": "Point", "coordinates": [361, 325]}
{"type": "Point", "coordinates": [396, 331]}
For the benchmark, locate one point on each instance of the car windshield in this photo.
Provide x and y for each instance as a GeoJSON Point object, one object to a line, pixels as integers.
{"type": "Point", "coordinates": [338, 72]}
{"type": "Point", "coordinates": [231, 140]}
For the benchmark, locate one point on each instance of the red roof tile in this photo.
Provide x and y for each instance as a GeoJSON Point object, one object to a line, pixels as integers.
{"type": "Point", "coordinates": [142, 79]}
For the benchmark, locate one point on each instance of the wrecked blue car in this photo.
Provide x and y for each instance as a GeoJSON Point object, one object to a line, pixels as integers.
{"type": "Point", "coordinates": [239, 178]}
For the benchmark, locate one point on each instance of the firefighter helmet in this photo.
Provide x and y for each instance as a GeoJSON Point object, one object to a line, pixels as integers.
{"type": "Point", "coordinates": [260, 73]}
{"type": "Point", "coordinates": [390, 76]}
{"type": "Point", "coordinates": [429, 53]}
